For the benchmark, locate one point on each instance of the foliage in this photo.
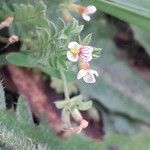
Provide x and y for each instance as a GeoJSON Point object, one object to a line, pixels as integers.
{"type": "Point", "coordinates": [120, 94]}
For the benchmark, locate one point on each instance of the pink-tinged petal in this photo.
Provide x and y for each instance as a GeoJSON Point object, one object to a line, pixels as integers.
{"type": "Point", "coordinates": [73, 45]}
{"type": "Point", "coordinates": [85, 58]}
{"type": "Point", "coordinates": [86, 17]}
{"type": "Point", "coordinates": [72, 57]}
{"type": "Point", "coordinates": [81, 74]}
{"type": "Point", "coordinates": [86, 49]}
{"type": "Point", "coordinates": [84, 124]}
{"type": "Point", "coordinates": [91, 9]}
{"type": "Point", "coordinates": [89, 78]}
{"type": "Point", "coordinates": [86, 53]}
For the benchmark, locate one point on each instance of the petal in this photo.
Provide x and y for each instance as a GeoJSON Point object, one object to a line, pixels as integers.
{"type": "Point", "coordinates": [86, 17]}
{"type": "Point", "coordinates": [89, 58]}
{"type": "Point", "coordinates": [86, 49]}
{"type": "Point", "coordinates": [85, 57]}
{"type": "Point", "coordinates": [81, 74]}
{"type": "Point", "coordinates": [73, 45]}
{"type": "Point", "coordinates": [91, 9]}
{"type": "Point", "coordinates": [84, 124]}
{"type": "Point", "coordinates": [94, 72]}
{"type": "Point", "coordinates": [72, 57]}
{"type": "Point", "coordinates": [86, 53]}
{"type": "Point", "coordinates": [89, 78]}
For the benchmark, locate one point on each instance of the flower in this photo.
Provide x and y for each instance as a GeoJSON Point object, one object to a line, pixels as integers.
{"type": "Point", "coordinates": [89, 10]}
{"type": "Point", "coordinates": [86, 12]}
{"type": "Point", "coordinates": [83, 124]}
{"type": "Point", "coordinates": [78, 118]}
{"type": "Point", "coordinates": [77, 51]}
{"type": "Point", "coordinates": [13, 38]}
{"type": "Point", "coordinates": [87, 75]}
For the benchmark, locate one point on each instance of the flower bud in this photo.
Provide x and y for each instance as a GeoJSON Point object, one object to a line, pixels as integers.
{"type": "Point", "coordinates": [12, 39]}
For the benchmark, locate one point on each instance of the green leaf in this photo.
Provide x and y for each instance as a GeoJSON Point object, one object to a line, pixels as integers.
{"type": "Point", "coordinates": [2, 98]}
{"type": "Point", "coordinates": [61, 104]}
{"type": "Point", "coordinates": [134, 12]}
{"type": "Point", "coordinates": [23, 110]}
{"type": "Point", "coordinates": [31, 16]}
{"type": "Point", "coordinates": [124, 125]}
{"type": "Point", "coordinates": [21, 59]}
{"type": "Point", "coordinates": [27, 134]}
{"type": "Point", "coordinates": [73, 28]}
{"type": "Point", "coordinates": [3, 60]}
{"type": "Point", "coordinates": [70, 75]}
{"type": "Point", "coordinates": [85, 105]}
{"type": "Point", "coordinates": [87, 39]}
{"type": "Point", "coordinates": [53, 29]}
{"type": "Point", "coordinates": [142, 36]}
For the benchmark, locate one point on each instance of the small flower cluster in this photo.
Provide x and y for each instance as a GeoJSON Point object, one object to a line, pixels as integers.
{"type": "Point", "coordinates": [71, 113]}
{"type": "Point", "coordinates": [78, 118]}
{"type": "Point", "coordinates": [82, 54]}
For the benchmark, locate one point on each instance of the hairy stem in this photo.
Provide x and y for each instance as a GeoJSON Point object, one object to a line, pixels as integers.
{"type": "Point", "coordinates": [64, 83]}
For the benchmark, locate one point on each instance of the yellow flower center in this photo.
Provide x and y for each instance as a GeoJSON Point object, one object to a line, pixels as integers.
{"type": "Point", "coordinates": [74, 50]}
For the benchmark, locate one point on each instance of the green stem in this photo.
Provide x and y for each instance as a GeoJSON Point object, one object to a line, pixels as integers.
{"type": "Point", "coordinates": [64, 83]}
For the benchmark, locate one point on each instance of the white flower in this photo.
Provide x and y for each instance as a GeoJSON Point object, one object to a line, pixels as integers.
{"type": "Point", "coordinates": [89, 10]}
{"type": "Point", "coordinates": [77, 51]}
{"type": "Point", "coordinates": [87, 75]}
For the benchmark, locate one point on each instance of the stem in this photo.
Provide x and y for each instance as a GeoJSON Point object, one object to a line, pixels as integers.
{"type": "Point", "coordinates": [64, 83]}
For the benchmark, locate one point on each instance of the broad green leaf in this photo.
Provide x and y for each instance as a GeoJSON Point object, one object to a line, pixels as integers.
{"type": "Point", "coordinates": [24, 60]}
{"type": "Point", "coordinates": [124, 125]}
{"type": "Point", "coordinates": [132, 11]}
{"type": "Point", "coordinates": [137, 141]}
{"type": "Point", "coordinates": [21, 59]}
{"type": "Point", "coordinates": [142, 36]}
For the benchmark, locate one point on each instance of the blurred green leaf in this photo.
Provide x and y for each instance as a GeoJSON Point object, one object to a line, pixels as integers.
{"type": "Point", "coordinates": [87, 40]}
{"type": "Point", "coordinates": [61, 104]}
{"type": "Point", "coordinates": [23, 110]}
{"type": "Point", "coordinates": [142, 36]}
{"type": "Point", "coordinates": [132, 11]}
{"type": "Point", "coordinates": [2, 97]}
{"type": "Point", "coordinates": [21, 59]}
{"type": "Point", "coordinates": [85, 105]}
{"type": "Point", "coordinates": [3, 60]}
{"type": "Point", "coordinates": [42, 135]}
{"type": "Point", "coordinates": [70, 75]}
